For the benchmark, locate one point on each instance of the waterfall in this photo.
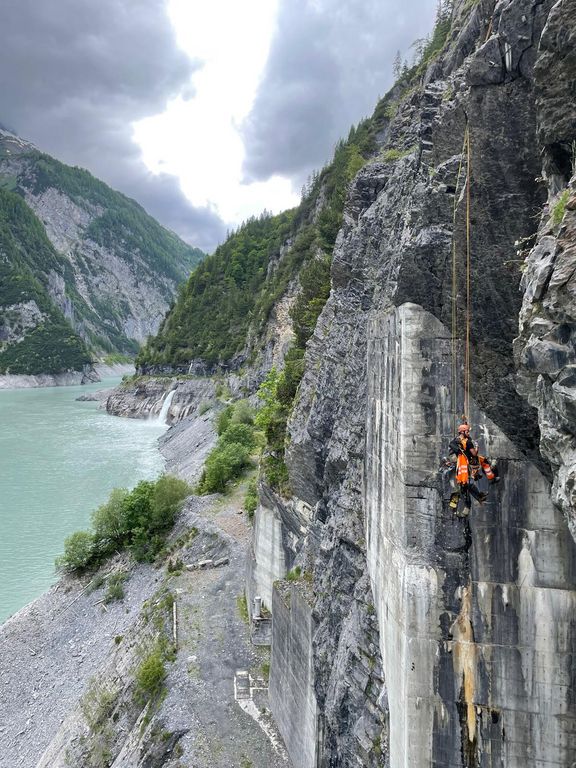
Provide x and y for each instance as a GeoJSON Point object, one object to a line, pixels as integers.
{"type": "Point", "coordinates": [165, 407]}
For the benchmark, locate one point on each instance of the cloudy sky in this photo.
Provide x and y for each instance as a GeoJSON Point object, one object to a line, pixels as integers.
{"type": "Point", "coordinates": [206, 112]}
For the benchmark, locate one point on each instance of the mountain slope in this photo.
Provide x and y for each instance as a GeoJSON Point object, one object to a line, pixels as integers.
{"type": "Point", "coordinates": [404, 635]}
{"type": "Point", "coordinates": [221, 313]}
{"type": "Point", "coordinates": [34, 333]}
{"type": "Point", "coordinates": [103, 262]}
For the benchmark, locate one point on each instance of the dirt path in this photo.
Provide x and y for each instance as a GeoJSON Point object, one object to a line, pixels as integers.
{"type": "Point", "coordinates": [214, 646]}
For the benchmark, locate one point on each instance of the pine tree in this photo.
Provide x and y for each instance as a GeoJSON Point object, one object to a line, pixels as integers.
{"type": "Point", "coordinates": [397, 65]}
{"type": "Point", "coordinates": [447, 8]}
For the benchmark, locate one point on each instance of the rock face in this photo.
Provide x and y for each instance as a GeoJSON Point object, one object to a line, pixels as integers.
{"type": "Point", "coordinates": [145, 398]}
{"type": "Point", "coordinates": [470, 646]}
{"type": "Point", "coordinates": [546, 347]}
{"type": "Point", "coordinates": [476, 615]}
{"type": "Point", "coordinates": [49, 380]}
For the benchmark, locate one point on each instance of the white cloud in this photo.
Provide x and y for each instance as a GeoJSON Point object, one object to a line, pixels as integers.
{"type": "Point", "coordinates": [198, 138]}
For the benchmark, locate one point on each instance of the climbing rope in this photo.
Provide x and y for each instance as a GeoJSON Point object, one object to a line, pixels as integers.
{"type": "Point", "coordinates": [454, 345]}
{"type": "Point", "coordinates": [468, 290]}
{"type": "Point", "coordinates": [455, 335]}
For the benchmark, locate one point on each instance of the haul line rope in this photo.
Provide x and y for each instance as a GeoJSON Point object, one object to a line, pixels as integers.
{"type": "Point", "coordinates": [465, 151]}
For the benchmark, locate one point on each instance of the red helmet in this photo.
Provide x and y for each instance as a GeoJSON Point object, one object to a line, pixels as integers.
{"type": "Point", "coordinates": [463, 428]}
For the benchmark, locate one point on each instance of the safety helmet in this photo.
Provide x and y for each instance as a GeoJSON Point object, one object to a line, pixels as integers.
{"type": "Point", "coordinates": [463, 428]}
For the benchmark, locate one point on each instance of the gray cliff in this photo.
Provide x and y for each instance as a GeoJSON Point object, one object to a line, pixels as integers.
{"type": "Point", "coordinates": [406, 636]}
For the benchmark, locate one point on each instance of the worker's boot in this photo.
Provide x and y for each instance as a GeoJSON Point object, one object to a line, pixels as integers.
{"type": "Point", "coordinates": [454, 500]}
{"type": "Point", "coordinates": [481, 498]}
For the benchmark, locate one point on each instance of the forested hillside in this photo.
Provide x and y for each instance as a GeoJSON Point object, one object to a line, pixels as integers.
{"type": "Point", "coordinates": [48, 344]}
{"type": "Point", "coordinates": [80, 251]}
{"type": "Point", "coordinates": [234, 290]}
{"type": "Point", "coordinates": [229, 298]}
{"type": "Point", "coordinates": [121, 223]}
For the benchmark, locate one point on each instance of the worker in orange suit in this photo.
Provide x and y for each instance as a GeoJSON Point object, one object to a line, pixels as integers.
{"type": "Point", "coordinates": [470, 465]}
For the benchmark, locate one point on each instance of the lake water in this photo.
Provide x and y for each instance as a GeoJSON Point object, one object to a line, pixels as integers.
{"type": "Point", "coordinates": [59, 460]}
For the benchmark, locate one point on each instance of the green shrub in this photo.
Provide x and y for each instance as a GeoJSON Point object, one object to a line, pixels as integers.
{"type": "Point", "coordinates": [146, 547]}
{"type": "Point", "coordinates": [232, 452]}
{"type": "Point", "coordinates": [559, 208]}
{"type": "Point", "coordinates": [167, 498]}
{"type": "Point", "coordinates": [137, 520]}
{"type": "Point", "coordinates": [276, 393]}
{"type": "Point", "coordinates": [110, 521]}
{"type": "Point", "coordinates": [276, 472]}
{"type": "Point", "coordinates": [243, 413]}
{"type": "Point", "coordinates": [78, 552]}
{"type": "Point", "coordinates": [238, 433]}
{"type": "Point", "coordinates": [251, 498]}
{"type": "Point", "coordinates": [224, 464]}
{"type": "Point", "coordinates": [223, 419]}
{"type": "Point", "coordinates": [150, 676]}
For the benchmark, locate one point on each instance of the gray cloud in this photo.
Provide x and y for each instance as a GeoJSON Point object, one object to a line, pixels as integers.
{"type": "Point", "coordinates": [329, 62]}
{"type": "Point", "coordinates": [75, 74]}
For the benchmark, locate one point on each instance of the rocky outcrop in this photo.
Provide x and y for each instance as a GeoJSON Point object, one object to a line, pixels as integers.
{"type": "Point", "coordinates": [144, 398]}
{"type": "Point", "coordinates": [186, 445]}
{"type": "Point", "coordinates": [455, 603]}
{"type": "Point", "coordinates": [87, 376]}
{"type": "Point", "coordinates": [19, 318]}
{"type": "Point", "coordinates": [546, 347]}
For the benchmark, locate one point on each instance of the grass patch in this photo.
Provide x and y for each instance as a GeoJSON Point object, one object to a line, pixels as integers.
{"type": "Point", "coordinates": [294, 574]}
{"type": "Point", "coordinates": [390, 155]}
{"type": "Point", "coordinates": [265, 670]}
{"type": "Point", "coordinates": [242, 605]}
{"type": "Point", "coordinates": [115, 588]}
{"type": "Point", "coordinates": [559, 208]}
{"type": "Point", "coordinates": [150, 676]}
{"type": "Point", "coordinates": [97, 704]}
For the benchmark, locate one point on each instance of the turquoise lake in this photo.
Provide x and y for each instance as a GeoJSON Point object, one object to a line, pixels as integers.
{"type": "Point", "coordinates": [59, 460]}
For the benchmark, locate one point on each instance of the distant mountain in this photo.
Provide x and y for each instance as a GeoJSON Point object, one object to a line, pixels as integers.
{"type": "Point", "coordinates": [78, 261]}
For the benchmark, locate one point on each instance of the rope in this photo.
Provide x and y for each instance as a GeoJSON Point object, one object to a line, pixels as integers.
{"type": "Point", "coordinates": [465, 146]}
{"type": "Point", "coordinates": [468, 287]}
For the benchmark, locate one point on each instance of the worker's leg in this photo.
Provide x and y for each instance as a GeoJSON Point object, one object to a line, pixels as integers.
{"type": "Point", "coordinates": [490, 471]}
{"type": "Point", "coordinates": [478, 495]}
